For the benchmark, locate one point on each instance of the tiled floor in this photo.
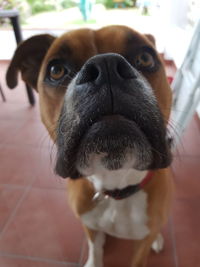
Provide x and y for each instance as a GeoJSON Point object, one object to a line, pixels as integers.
{"type": "Point", "coordinates": [36, 226]}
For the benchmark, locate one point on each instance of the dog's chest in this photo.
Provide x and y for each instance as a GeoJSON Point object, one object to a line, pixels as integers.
{"type": "Point", "coordinates": [125, 218]}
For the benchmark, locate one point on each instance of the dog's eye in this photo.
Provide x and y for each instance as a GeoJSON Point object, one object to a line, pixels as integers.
{"type": "Point", "coordinates": [57, 71]}
{"type": "Point", "coordinates": [144, 60]}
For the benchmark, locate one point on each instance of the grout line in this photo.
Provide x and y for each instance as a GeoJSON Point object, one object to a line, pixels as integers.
{"type": "Point", "coordinates": [15, 256]}
{"type": "Point", "coordinates": [173, 242]}
{"type": "Point", "coordinates": [21, 145]}
{"type": "Point", "coordinates": [37, 259]}
{"type": "Point", "coordinates": [13, 213]}
{"type": "Point", "coordinates": [17, 129]}
{"type": "Point", "coordinates": [49, 188]}
{"type": "Point", "coordinates": [185, 156]}
{"type": "Point", "coordinates": [13, 186]}
{"type": "Point", "coordinates": [35, 146]}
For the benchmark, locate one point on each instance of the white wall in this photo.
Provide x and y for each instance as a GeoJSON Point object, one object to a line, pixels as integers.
{"type": "Point", "coordinates": [174, 14]}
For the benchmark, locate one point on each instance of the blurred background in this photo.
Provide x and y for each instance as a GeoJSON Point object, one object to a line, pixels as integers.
{"type": "Point", "coordinates": [37, 228]}
{"type": "Point", "coordinates": [171, 22]}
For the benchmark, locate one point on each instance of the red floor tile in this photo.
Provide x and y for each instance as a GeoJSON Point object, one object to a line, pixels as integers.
{"type": "Point", "coordinates": [44, 227]}
{"type": "Point", "coordinates": [8, 130]}
{"type": "Point", "coordinates": [43, 232]}
{"type": "Point", "coordinates": [46, 177]}
{"type": "Point", "coordinates": [19, 262]}
{"type": "Point", "coordinates": [187, 231]}
{"type": "Point", "coordinates": [167, 257]}
{"type": "Point", "coordinates": [18, 112]}
{"type": "Point", "coordinates": [190, 142]}
{"type": "Point", "coordinates": [32, 133]}
{"type": "Point", "coordinates": [23, 165]}
{"type": "Point", "coordinates": [9, 198]}
{"type": "Point", "coordinates": [19, 165]}
{"type": "Point", "coordinates": [187, 177]}
{"type": "Point", "coordinates": [14, 96]}
{"type": "Point", "coordinates": [119, 253]}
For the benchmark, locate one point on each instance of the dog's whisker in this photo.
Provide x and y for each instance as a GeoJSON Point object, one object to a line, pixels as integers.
{"type": "Point", "coordinates": [107, 126]}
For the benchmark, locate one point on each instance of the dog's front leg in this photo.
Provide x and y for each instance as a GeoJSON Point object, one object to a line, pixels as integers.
{"type": "Point", "coordinates": [96, 242]}
{"type": "Point", "coordinates": [141, 250]}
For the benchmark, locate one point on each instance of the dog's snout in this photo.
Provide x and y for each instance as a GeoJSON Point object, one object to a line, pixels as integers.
{"type": "Point", "coordinates": [89, 73]}
{"type": "Point", "coordinates": [100, 68]}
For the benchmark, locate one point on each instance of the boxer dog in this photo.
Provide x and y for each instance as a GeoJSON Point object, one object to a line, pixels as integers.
{"type": "Point", "coordinates": [105, 101]}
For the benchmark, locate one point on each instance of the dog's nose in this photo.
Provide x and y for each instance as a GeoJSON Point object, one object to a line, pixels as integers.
{"type": "Point", "coordinates": [100, 68]}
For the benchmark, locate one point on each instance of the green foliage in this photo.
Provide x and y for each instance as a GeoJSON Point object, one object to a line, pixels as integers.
{"type": "Point", "coordinates": [36, 6]}
{"type": "Point", "coordinates": [111, 3]}
{"type": "Point", "coordinates": [6, 4]}
{"type": "Point", "coordinates": [40, 6]}
{"type": "Point", "coordinates": [108, 3]}
{"type": "Point", "coordinates": [82, 22]}
{"type": "Point", "coordinates": [68, 3]}
{"type": "Point", "coordinates": [130, 3]}
{"type": "Point", "coordinates": [21, 5]}
{"type": "Point", "coordinates": [49, 5]}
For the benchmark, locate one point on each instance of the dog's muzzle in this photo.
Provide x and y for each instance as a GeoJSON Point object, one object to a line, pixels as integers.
{"type": "Point", "coordinates": [110, 112]}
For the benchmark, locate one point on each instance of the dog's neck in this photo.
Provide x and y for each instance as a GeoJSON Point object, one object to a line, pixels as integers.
{"type": "Point", "coordinates": [117, 179]}
{"type": "Point", "coordinates": [105, 179]}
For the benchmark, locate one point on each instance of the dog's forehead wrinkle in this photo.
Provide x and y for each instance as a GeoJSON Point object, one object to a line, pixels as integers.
{"type": "Point", "coordinates": [87, 109]}
{"type": "Point", "coordinates": [116, 39]}
{"type": "Point", "coordinates": [112, 148]}
{"type": "Point", "coordinates": [66, 46]}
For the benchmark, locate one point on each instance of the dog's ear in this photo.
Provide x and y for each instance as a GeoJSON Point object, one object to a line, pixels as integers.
{"type": "Point", "coordinates": [151, 38]}
{"type": "Point", "coordinates": [27, 59]}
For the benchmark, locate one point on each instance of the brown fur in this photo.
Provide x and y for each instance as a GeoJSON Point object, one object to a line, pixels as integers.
{"type": "Point", "coordinates": [79, 46]}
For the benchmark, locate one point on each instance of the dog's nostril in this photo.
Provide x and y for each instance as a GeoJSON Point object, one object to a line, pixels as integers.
{"type": "Point", "coordinates": [104, 67]}
{"type": "Point", "coordinates": [89, 74]}
{"type": "Point", "coordinates": [93, 73]}
{"type": "Point", "coordinates": [125, 71]}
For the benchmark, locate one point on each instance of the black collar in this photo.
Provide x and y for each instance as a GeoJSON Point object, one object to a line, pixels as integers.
{"type": "Point", "coordinates": [119, 194]}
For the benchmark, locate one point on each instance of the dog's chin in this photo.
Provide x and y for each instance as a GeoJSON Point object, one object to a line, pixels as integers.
{"type": "Point", "coordinates": [114, 141]}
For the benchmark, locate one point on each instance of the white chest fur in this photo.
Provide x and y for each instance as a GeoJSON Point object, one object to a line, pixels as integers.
{"type": "Point", "coordinates": [125, 218]}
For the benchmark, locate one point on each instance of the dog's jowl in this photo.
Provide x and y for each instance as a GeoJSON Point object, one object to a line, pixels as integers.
{"type": "Point", "coordinates": [105, 101]}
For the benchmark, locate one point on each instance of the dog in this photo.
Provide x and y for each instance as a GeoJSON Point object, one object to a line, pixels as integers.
{"type": "Point", "coordinates": [105, 101]}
